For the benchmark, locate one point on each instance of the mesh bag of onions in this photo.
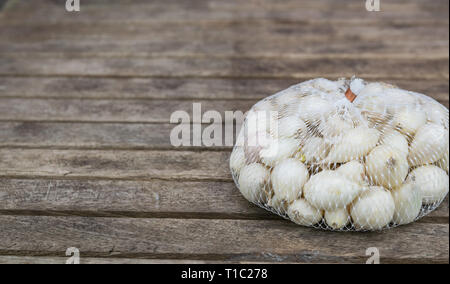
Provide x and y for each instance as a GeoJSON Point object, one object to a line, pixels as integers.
{"type": "Point", "coordinates": [345, 155]}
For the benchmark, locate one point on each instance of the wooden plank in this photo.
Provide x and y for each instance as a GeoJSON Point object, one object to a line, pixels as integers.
{"type": "Point", "coordinates": [175, 88]}
{"type": "Point", "coordinates": [116, 165]}
{"type": "Point", "coordinates": [230, 240]}
{"type": "Point", "coordinates": [201, 10]}
{"type": "Point", "coordinates": [97, 260]}
{"type": "Point", "coordinates": [143, 199]}
{"type": "Point", "coordinates": [225, 67]}
{"type": "Point", "coordinates": [148, 111]}
{"type": "Point", "coordinates": [98, 136]}
{"type": "Point", "coordinates": [257, 39]}
{"type": "Point", "coordinates": [189, 165]}
{"type": "Point", "coordinates": [130, 111]}
{"type": "Point", "coordinates": [128, 198]}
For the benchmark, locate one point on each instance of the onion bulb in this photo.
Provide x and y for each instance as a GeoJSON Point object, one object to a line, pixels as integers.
{"type": "Point", "coordinates": [288, 178]}
{"type": "Point", "coordinates": [354, 171]}
{"type": "Point", "coordinates": [237, 160]}
{"type": "Point", "coordinates": [443, 162]}
{"type": "Point", "coordinates": [254, 143]}
{"type": "Point", "coordinates": [396, 141]}
{"type": "Point", "coordinates": [303, 213]}
{"type": "Point", "coordinates": [408, 203]}
{"type": "Point", "coordinates": [386, 167]}
{"type": "Point", "coordinates": [409, 120]}
{"type": "Point", "coordinates": [337, 219]}
{"type": "Point", "coordinates": [289, 126]}
{"type": "Point", "coordinates": [253, 183]}
{"type": "Point", "coordinates": [432, 182]}
{"type": "Point", "coordinates": [259, 121]}
{"type": "Point", "coordinates": [436, 113]}
{"type": "Point", "coordinates": [329, 190]}
{"type": "Point", "coordinates": [334, 126]}
{"type": "Point", "coordinates": [373, 210]}
{"type": "Point", "coordinates": [429, 145]}
{"type": "Point", "coordinates": [369, 99]}
{"type": "Point", "coordinates": [278, 150]}
{"type": "Point", "coordinates": [313, 108]}
{"type": "Point", "coordinates": [314, 150]}
{"type": "Point", "coordinates": [354, 144]}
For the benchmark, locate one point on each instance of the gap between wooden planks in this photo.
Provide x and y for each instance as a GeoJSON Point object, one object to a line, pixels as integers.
{"type": "Point", "coordinates": [159, 11]}
{"type": "Point", "coordinates": [228, 240]}
{"type": "Point", "coordinates": [138, 199]}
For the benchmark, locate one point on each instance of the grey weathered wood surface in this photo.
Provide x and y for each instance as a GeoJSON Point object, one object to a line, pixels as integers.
{"type": "Point", "coordinates": [85, 103]}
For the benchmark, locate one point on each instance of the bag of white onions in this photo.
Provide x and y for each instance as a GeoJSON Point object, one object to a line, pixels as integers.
{"type": "Point", "coordinates": [344, 155]}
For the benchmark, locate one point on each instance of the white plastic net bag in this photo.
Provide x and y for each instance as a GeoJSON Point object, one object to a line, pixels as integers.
{"type": "Point", "coordinates": [344, 155]}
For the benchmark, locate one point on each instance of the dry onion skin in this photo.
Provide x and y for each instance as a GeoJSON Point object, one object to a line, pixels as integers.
{"type": "Point", "coordinates": [344, 155]}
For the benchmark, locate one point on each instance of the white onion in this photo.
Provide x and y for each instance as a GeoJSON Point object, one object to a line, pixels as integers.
{"type": "Point", "coordinates": [334, 126]}
{"type": "Point", "coordinates": [373, 209]}
{"type": "Point", "coordinates": [432, 182]}
{"type": "Point", "coordinates": [289, 126]}
{"type": "Point", "coordinates": [369, 99]}
{"type": "Point", "coordinates": [399, 99]}
{"type": "Point", "coordinates": [354, 171]}
{"type": "Point", "coordinates": [253, 181]}
{"type": "Point", "coordinates": [429, 145]}
{"type": "Point", "coordinates": [288, 178]}
{"type": "Point", "coordinates": [237, 160]}
{"type": "Point", "coordinates": [314, 150]}
{"type": "Point", "coordinates": [303, 213]}
{"type": "Point", "coordinates": [396, 141]}
{"type": "Point", "coordinates": [408, 203]}
{"type": "Point", "coordinates": [354, 144]}
{"type": "Point", "coordinates": [436, 113]}
{"type": "Point", "coordinates": [278, 150]}
{"type": "Point", "coordinates": [254, 143]}
{"type": "Point", "coordinates": [409, 120]}
{"type": "Point", "coordinates": [313, 108]}
{"type": "Point", "coordinates": [338, 218]}
{"type": "Point", "coordinates": [443, 162]}
{"type": "Point", "coordinates": [386, 167]}
{"type": "Point", "coordinates": [329, 190]}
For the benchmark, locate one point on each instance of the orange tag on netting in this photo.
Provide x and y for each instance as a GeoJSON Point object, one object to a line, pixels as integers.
{"type": "Point", "coordinates": [350, 95]}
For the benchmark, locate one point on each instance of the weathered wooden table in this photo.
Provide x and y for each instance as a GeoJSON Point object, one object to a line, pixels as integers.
{"type": "Point", "coordinates": [85, 102]}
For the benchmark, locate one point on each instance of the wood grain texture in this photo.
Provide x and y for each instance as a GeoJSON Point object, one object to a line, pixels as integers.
{"type": "Point", "coordinates": [238, 39]}
{"type": "Point", "coordinates": [202, 10]}
{"type": "Point", "coordinates": [85, 101]}
{"type": "Point", "coordinates": [113, 111]}
{"type": "Point", "coordinates": [148, 111]}
{"type": "Point", "coordinates": [139, 199]}
{"type": "Point", "coordinates": [116, 136]}
{"type": "Point", "coordinates": [232, 240]}
{"type": "Point", "coordinates": [188, 165]}
{"type": "Point", "coordinates": [128, 198]}
{"type": "Point", "coordinates": [412, 68]}
{"type": "Point", "coordinates": [97, 260]}
{"type": "Point", "coordinates": [176, 88]}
